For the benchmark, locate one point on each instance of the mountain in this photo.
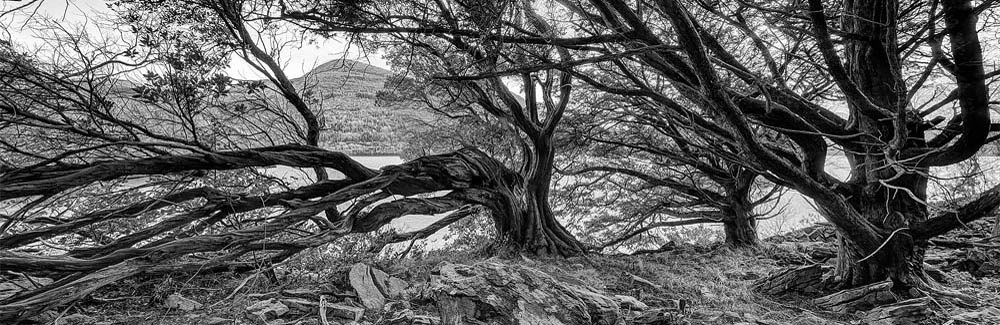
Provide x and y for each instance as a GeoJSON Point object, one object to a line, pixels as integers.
{"type": "Point", "coordinates": [355, 122]}
{"type": "Point", "coordinates": [342, 93]}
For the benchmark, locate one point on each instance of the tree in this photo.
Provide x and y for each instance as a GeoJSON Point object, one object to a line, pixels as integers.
{"type": "Point", "coordinates": [146, 151]}
{"type": "Point", "coordinates": [529, 123]}
{"type": "Point", "coordinates": [651, 173]}
{"type": "Point", "coordinates": [727, 77]}
{"type": "Point", "coordinates": [880, 212]}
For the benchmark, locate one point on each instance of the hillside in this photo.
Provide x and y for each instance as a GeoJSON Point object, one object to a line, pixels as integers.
{"type": "Point", "coordinates": [355, 122]}
{"type": "Point", "coordinates": [342, 92]}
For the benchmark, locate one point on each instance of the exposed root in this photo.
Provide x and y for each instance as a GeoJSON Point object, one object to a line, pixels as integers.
{"type": "Point", "coordinates": [203, 229]}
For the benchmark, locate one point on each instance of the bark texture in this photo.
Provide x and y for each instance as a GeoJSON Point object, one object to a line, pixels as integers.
{"type": "Point", "coordinates": [740, 225]}
{"type": "Point", "coordinates": [469, 177]}
{"type": "Point", "coordinates": [888, 194]}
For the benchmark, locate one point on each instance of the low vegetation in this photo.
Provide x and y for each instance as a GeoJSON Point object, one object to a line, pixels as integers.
{"type": "Point", "coordinates": [565, 162]}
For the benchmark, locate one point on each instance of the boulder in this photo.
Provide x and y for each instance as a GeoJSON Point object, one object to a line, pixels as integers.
{"type": "Point", "coordinates": [658, 316]}
{"type": "Point", "coordinates": [396, 306]}
{"type": "Point", "coordinates": [630, 303]}
{"type": "Point", "coordinates": [177, 301]}
{"type": "Point", "coordinates": [374, 286]}
{"type": "Point", "coordinates": [268, 309]}
{"type": "Point", "coordinates": [988, 315]}
{"type": "Point", "coordinates": [345, 311]}
{"type": "Point", "coordinates": [399, 317]}
{"type": "Point", "coordinates": [425, 320]}
{"type": "Point", "coordinates": [395, 288]}
{"type": "Point", "coordinates": [398, 313]}
{"type": "Point", "coordinates": [492, 292]}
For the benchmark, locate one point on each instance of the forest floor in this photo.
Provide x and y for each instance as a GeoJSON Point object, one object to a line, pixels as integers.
{"type": "Point", "coordinates": [712, 284]}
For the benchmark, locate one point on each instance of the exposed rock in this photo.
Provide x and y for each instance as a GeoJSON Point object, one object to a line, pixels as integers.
{"type": "Point", "coordinates": [912, 311]}
{"type": "Point", "coordinates": [301, 305]}
{"type": "Point", "coordinates": [988, 315]}
{"type": "Point", "coordinates": [805, 279]}
{"type": "Point", "coordinates": [494, 292]}
{"type": "Point", "coordinates": [395, 288]}
{"type": "Point", "coordinates": [374, 286]}
{"type": "Point", "coordinates": [426, 320]}
{"type": "Point", "coordinates": [301, 293]}
{"type": "Point", "coordinates": [860, 298]}
{"type": "Point", "coordinates": [177, 301]}
{"type": "Point", "coordinates": [345, 311]}
{"type": "Point", "coordinates": [404, 316]}
{"type": "Point", "coordinates": [979, 262]}
{"type": "Point", "coordinates": [396, 306]}
{"type": "Point", "coordinates": [639, 279]}
{"type": "Point", "coordinates": [968, 249]}
{"type": "Point", "coordinates": [674, 304]}
{"type": "Point", "coordinates": [629, 302]}
{"type": "Point", "coordinates": [935, 273]}
{"type": "Point", "coordinates": [398, 312]}
{"type": "Point", "coordinates": [268, 309]}
{"type": "Point", "coordinates": [216, 321]}
{"type": "Point", "coordinates": [659, 316]}
{"type": "Point", "coordinates": [363, 282]}
{"type": "Point", "coordinates": [76, 319]}
{"type": "Point", "coordinates": [707, 293]}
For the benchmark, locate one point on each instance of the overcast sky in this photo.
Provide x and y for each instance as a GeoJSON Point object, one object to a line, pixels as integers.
{"type": "Point", "coordinates": [297, 61]}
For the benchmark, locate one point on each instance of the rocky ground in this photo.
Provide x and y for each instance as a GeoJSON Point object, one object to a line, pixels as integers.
{"type": "Point", "coordinates": [677, 284]}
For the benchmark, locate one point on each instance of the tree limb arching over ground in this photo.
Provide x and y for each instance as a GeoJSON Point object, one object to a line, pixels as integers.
{"type": "Point", "coordinates": [471, 178]}
{"type": "Point", "coordinates": [764, 99]}
{"type": "Point", "coordinates": [706, 63]}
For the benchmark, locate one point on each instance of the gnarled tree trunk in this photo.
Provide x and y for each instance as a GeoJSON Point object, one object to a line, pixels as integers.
{"type": "Point", "coordinates": [890, 194]}
{"type": "Point", "coordinates": [740, 225]}
{"type": "Point", "coordinates": [536, 230]}
{"type": "Point", "coordinates": [471, 177]}
{"type": "Point", "coordinates": [740, 229]}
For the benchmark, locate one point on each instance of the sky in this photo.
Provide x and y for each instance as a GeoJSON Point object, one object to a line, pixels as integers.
{"type": "Point", "coordinates": [76, 13]}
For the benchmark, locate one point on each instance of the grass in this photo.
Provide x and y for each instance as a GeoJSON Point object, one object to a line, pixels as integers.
{"type": "Point", "coordinates": [714, 283]}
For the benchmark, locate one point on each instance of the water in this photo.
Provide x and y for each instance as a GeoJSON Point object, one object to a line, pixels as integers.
{"type": "Point", "coordinates": [296, 177]}
{"type": "Point", "coordinates": [947, 183]}
{"type": "Point", "coordinates": [797, 210]}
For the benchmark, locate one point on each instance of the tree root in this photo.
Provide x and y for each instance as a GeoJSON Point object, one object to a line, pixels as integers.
{"type": "Point", "coordinates": [205, 230]}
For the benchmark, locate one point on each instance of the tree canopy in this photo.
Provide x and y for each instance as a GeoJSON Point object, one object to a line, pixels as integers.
{"type": "Point", "coordinates": [143, 157]}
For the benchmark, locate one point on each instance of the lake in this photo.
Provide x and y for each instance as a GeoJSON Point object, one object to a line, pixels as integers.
{"type": "Point", "coordinates": [800, 212]}
{"type": "Point", "coordinates": [302, 176]}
